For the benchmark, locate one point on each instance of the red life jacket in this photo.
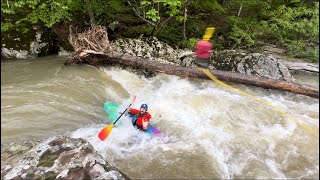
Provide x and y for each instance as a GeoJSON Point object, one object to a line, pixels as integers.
{"type": "Point", "coordinates": [141, 117]}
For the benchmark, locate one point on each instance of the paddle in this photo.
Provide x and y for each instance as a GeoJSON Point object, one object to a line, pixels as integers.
{"type": "Point", "coordinates": [104, 133]}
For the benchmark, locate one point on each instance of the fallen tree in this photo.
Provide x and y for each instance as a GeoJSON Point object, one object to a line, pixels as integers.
{"type": "Point", "coordinates": [103, 54]}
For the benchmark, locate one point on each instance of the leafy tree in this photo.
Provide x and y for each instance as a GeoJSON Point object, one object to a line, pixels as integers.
{"type": "Point", "coordinates": [34, 11]}
{"type": "Point", "coordinates": [158, 12]}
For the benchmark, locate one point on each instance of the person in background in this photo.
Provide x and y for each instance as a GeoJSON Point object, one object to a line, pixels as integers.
{"type": "Point", "coordinates": [140, 118]}
{"type": "Point", "coordinates": [204, 48]}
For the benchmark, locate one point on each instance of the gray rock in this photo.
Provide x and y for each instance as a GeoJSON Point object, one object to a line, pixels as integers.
{"type": "Point", "coordinates": [15, 54]}
{"type": "Point", "coordinates": [60, 157]}
{"type": "Point", "coordinates": [251, 64]}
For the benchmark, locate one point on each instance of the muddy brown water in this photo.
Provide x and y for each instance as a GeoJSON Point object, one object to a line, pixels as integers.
{"type": "Point", "coordinates": [208, 131]}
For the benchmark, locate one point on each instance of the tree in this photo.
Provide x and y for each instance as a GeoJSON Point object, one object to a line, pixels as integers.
{"type": "Point", "coordinates": [150, 11]}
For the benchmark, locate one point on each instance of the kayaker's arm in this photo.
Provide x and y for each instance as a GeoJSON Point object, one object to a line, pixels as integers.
{"type": "Point", "coordinates": [133, 111]}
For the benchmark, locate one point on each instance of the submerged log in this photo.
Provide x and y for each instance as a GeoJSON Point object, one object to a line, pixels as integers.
{"type": "Point", "coordinates": [192, 72]}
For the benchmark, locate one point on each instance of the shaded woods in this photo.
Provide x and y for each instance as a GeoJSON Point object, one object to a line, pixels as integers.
{"type": "Point", "coordinates": [289, 24]}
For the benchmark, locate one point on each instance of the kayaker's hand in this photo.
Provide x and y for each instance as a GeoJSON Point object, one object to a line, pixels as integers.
{"type": "Point", "coordinates": [145, 124]}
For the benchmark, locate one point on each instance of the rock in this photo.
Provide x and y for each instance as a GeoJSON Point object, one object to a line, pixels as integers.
{"type": "Point", "coordinates": [27, 45]}
{"type": "Point", "coordinates": [63, 52]}
{"type": "Point", "coordinates": [37, 44]}
{"type": "Point", "coordinates": [251, 64]}
{"type": "Point", "coordinates": [15, 54]}
{"type": "Point", "coordinates": [60, 157]}
{"type": "Point", "coordinates": [273, 49]}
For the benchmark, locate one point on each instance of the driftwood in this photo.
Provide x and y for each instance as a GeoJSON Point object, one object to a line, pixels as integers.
{"type": "Point", "coordinates": [93, 47]}
{"type": "Point", "coordinates": [95, 40]}
{"type": "Point", "coordinates": [301, 66]}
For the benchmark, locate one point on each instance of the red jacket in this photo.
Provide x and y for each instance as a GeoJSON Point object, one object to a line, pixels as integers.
{"type": "Point", "coordinates": [203, 49]}
{"type": "Point", "coordinates": [145, 117]}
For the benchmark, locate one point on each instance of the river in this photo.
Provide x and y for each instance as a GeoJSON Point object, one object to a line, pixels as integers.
{"type": "Point", "coordinates": [208, 131]}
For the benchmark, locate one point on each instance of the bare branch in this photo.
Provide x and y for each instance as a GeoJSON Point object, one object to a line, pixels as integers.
{"type": "Point", "coordinates": [136, 12]}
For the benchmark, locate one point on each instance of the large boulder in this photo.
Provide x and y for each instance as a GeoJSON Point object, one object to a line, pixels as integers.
{"type": "Point", "coordinates": [149, 48]}
{"type": "Point", "coordinates": [33, 43]}
{"type": "Point", "coordinates": [60, 157]}
{"type": "Point", "coordinates": [251, 64]}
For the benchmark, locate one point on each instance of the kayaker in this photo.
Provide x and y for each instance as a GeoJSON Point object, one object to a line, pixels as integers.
{"type": "Point", "coordinates": [140, 118]}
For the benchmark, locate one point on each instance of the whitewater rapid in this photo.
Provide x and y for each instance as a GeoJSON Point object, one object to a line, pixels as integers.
{"type": "Point", "coordinates": [208, 131]}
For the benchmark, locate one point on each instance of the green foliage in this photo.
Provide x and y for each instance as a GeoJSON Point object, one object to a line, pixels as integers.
{"type": "Point", "coordinates": [171, 34]}
{"type": "Point", "coordinates": [293, 27]}
{"type": "Point", "coordinates": [35, 11]}
{"type": "Point", "coordinates": [173, 5]}
{"type": "Point", "coordinates": [49, 13]}
{"type": "Point", "coordinates": [6, 26]}
{"type": "Point", "coordinates": [171, 8]}
{"type": "Point", "coordinates": [190, 43]}
{"type": "Point", "coordinates": [287, 23]}
{"type": "Point", "coordinates": [292, 24]}
{"type": "Point", "coordinates": [300, 49]}
{"type": "Point", "coordinates": [206, 6]}
{"type": "Point", "coordinates": [243, 32]}
{"type": "Point", "coordinates": [153, 15]}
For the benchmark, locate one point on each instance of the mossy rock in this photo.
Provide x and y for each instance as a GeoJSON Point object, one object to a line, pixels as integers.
{"type": "Point", "coordinates": [71, 170]}
{"type": "Point", "coordinates": [48, 161]}
{"type": "Point", "coordinates": [49, 176]}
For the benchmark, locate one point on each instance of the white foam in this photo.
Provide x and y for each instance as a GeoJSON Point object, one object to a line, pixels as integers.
{"type": "Point", "coordinates": [231, 129]}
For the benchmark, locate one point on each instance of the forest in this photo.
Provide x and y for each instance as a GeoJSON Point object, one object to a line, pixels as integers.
{"type": "Point", "coordinates": [292, 25]}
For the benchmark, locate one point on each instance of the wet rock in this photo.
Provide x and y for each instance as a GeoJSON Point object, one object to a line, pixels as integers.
{"type": "Point", "coordinates": [15, 54]}
{"type": "Point", "coordinates": [63, 52]}
{"type": "Point", "coordinates": [9, 151]}
{"type": "Point", "coordinates": [149, 48]}
{"type": "Point", "coordinates": [33, 43]}
{"type": "Point", "coordinates": [60, 157]}
{"type": "Point", "coordinates": [251, 64]}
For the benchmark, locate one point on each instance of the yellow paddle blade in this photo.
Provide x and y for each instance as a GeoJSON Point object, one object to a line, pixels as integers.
{"type": "Point", "coordinates": [104, 133]}
{"type": "Point", "coordinates": [208, 34]}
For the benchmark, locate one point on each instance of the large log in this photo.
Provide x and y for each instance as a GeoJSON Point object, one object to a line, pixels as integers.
{"type": "Point", "coordinates": [192, 72]}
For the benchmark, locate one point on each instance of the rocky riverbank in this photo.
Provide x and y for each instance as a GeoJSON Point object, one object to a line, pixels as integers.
{"type": "Point", "coordinates": [59, 157]}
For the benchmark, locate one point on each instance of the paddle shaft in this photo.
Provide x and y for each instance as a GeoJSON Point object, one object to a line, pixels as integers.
{"type": "Point", "coordinates": [122, 114]}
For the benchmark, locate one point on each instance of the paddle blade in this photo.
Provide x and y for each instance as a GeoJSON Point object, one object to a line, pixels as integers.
{"type": "Point", "coordinates": [134, 99]}
{"type": "Point", "coordinates": [104, 133]}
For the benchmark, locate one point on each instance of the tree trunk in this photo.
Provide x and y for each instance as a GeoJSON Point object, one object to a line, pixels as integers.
{"type": "Point", "coordinates": [239, 12]}
{"type": "Point", "coordinates": [185, 19]}
{"type": "Point", "coordinates": [191, 72]}
{"type": "Point", "coordinates": [92, 21]}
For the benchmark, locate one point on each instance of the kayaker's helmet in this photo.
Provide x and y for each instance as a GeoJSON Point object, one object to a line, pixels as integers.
{"type": "Point", "coordinates": [144, 106]}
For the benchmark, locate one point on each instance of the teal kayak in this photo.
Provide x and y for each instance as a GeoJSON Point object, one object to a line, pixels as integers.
{"type": "Point", "coordinates": [113, 113]}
